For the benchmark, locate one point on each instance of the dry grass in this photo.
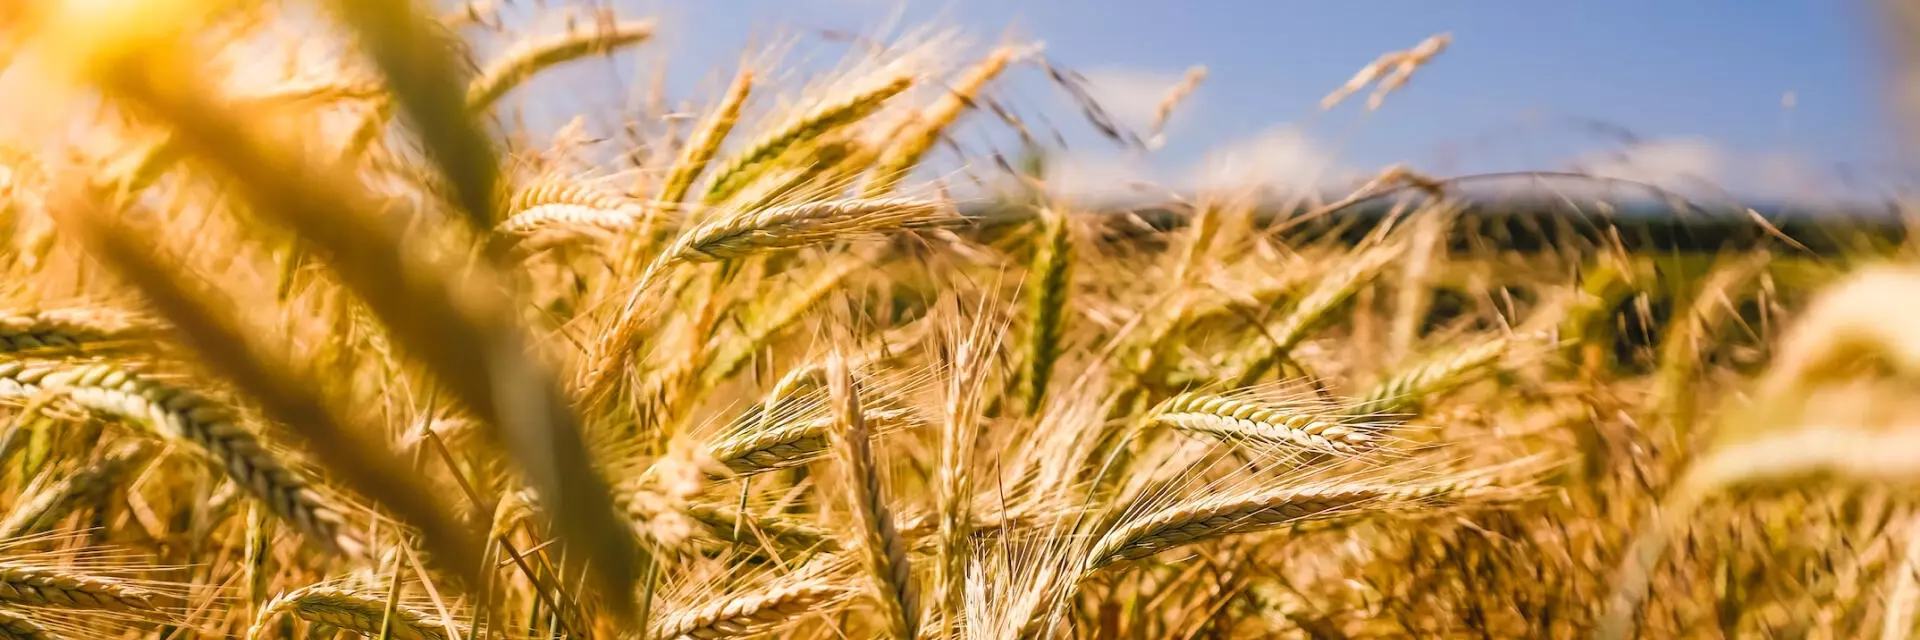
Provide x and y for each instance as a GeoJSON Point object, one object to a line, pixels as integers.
{"type": "Point", "coordinates": [349, 351]}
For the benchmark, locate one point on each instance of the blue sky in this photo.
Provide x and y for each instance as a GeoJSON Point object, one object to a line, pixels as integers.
{"type": "Point", "coordinates": [1699, 82]}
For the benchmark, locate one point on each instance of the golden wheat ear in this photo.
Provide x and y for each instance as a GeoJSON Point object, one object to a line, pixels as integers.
{"type": "Point", "coordinates": [874, 538]}
{"type": "Point", "coordinates": [367, 613]}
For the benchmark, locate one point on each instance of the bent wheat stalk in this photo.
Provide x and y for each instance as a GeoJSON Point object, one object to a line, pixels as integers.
{"type": "Point", "coordinates": [459, 322]}
{"type": "Point", "coordinates": [706, 141]}
{"type": "Point", "coordinates": [785, 446]}
{"type": "Point", "coordinates": [754, 613]}
{"type": "Point", "coordinates": [1408, 389]}
{"type": "Point", "coordinates": [58, 588]}
{"type": "Point", "coordinates": [799, 225]}
{"type": "Point", "coordinates": [362, 613]}
{"type": "Point", "coordinates": [528, 59]}
{"type": "Point", "coordinates": [561, 203]}
{"type": "Point", "coordinates": [1208, 519]}
{"type": "Point", "coordinates": [1302, 425]}
{"type": "Point", "coordinates": [212, 428]}
{"type": "Point", "coordinates": [44, 331]}
{"type": "Point", "coordinates": [743, 168]}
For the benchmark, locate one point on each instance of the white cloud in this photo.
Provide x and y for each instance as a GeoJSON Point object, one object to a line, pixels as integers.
{"type": "Point", "coordinates": [1698, 168]}
{"type": "Point", "coordinates": [1680, 164]}
{"type": "Point", "coordinates": [1280, 158]}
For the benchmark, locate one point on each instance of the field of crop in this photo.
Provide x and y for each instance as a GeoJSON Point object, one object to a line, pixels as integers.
{"type": "Point", "coordinates": [341, 349]}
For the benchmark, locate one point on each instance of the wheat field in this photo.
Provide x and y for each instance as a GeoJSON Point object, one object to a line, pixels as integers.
{"type": "Point", "coordinates": [342, 348]}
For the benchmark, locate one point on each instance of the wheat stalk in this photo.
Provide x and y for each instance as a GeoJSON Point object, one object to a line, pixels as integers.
{"type": "Point", "coordinates": [798, 225]}
{"type": "Point", "coordinates": [461, 323]}
{"type": "Point", "coordinates": [1312, 310]}
{"type": "Point", "coordinates": [362, 613]}
{"type": "Point", "coordinates": [1161, 112]}
{"type": "Point", "coordinates": [705, 142]}
{"type": "Point", "coordinates": [566, 203]}
{"type": "Point", "coordinates": [189, 417]}
{"type": "Point", "coordinates": [33, 586]}
{"type": "Point", "coordinates": [914, 144]}
{"type": "Point", "coordinates": [791, 445]}
{"type": "Point", "coordinates": [780, 317]}
{"type": "Point", "coordinates": [67, 330]}
{"type": "Point", "coordinates": [1409, 388]}
{"type": "Point", "coordinates": [1208, 519]}
{"type": "Point", "coordinates": [530, 58]}
{"type": "Point", "coordinates": [754, 613]}
{"type": "Point", "coordinates": [86, 485]}
{"type": "Point", "coordinates": [815, 174]}
{"type": "Point", "coordinates": [965, 398]}
{"type": "Point", "coordinates": [1307, 426]}
{"type": "Point", "coordinates": [873, 536]}
{"type": "Point", "coordinates": [1396, 67]}
{"type": "Point", "coordinates": [743, 168]}
{"type": "Point", "coordinates": [729, 525]}
{"type": "Point", "coordinates": [1047, 302]}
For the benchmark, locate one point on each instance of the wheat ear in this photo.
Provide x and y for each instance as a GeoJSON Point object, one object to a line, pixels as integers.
{"type": "Point", "coordinates": [460, 323]}
{"type": "Point", "coordinates": [729, 525]}
{"type": "Point", "coordinates": [799, 225]}
{"type": "Point", "coordinates": [55, 501]}
{"type": "Point", "coordinates": [1208, 519]}
{"type": "Point", "coordinates": [1407, 390]}
{"type": "Point", "coordinates": [954, 476]}
{"type": "Point", "coordinates": [873, 535]}
{"type": "Point", "coordinates": [779, 318]}
{"type": "Point", "coordinates": [70, 330]}
{"type": "Point", "coordinates": [1312, 310]}
{"type": "Point", "coordinates": [1047, 302]}
{"type": "Point", "coordinates": [753, 614]}
{"type": "Point", "coordinates": [58, 588]}
{"type": "Point", "coordinates": [786, 446]}
{"type": "Point", "coordinates": [903, 157]}
{"type": "Point", "coordinates": [705, 141]}
{"type": "Point", "coordinates": [1188, 83]}
{"type": "Point", "coordinates": [352, 611]}
{"type": "Point", "coordinates": [209, 426]}
{"type": "Point", "coordinates": [14, 626]}
{"type": "Point", "coordinates": [743, 168]}
{"type": "Point", "coordinates": [819, 170]}
{"type": "Point", "coordinates": [565, 203]}
{"type": "Point", "coordinates": [527, 59]}
{"type": "Point", "coordinates": [1304, 425]}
